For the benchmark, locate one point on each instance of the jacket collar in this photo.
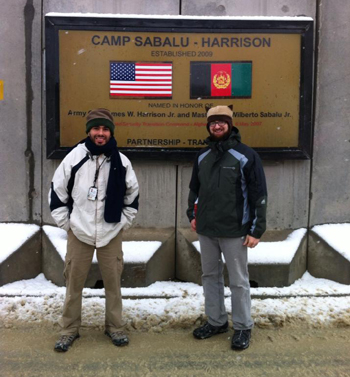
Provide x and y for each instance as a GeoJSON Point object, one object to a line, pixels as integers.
{"type": "Point", "coordinates": [224, 145]}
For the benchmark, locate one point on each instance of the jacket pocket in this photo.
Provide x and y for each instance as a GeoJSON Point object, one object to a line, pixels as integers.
{"type": "Point", "coordinates": [227, 176]}
{"type": "Point", "coordinates": [66, 270]}
{"type": "Point", "coordinates": [120, 262]}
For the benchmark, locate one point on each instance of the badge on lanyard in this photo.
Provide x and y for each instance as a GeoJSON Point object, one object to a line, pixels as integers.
{"type": "Point", "coordinates": [92, 193]}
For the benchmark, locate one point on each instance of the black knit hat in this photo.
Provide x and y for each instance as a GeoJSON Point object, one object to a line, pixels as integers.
{"type": "Point", "coordinates": [98, 117]}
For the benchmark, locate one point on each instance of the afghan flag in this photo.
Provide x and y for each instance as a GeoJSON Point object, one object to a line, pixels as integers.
{"type": "Point", "coordinates": [221, 79]}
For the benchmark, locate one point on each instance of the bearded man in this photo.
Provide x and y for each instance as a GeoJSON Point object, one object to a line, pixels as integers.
{"type": "Point", "coordinates": [94, 197]}
{"type": "Point", "coordinates": [227, 209]}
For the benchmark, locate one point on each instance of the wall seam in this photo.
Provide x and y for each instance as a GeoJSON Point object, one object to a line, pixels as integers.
{"type": "Point", "coordinates": [176, 215]}
{"type": "Point", "coordinates": [42, 88]}
{"type": "Point", "coordinates": [29, 155]}
{"type": "Point", "coordinates": [315, 75]}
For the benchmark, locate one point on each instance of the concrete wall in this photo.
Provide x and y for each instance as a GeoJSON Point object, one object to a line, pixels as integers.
{"type": "Point", "coordinates": [20, 111]}
{"type": "Point", "coordinates": [288, 181]}
{"type": "Point", "coordinates": [157, 179]}
{"type": "Point", "coordinates": [331, 165]}
{"type": "Point", "coordinates": [25, 173]}
{"type": "Point", "coordinates": [249, 8]}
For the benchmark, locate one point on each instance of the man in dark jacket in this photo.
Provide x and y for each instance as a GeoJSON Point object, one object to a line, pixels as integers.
{"type": "Point", "coordinates": [227, 208]}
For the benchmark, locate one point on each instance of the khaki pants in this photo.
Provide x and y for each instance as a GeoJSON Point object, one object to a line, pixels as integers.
{"type": "Point", "coordinates": [77, 266]}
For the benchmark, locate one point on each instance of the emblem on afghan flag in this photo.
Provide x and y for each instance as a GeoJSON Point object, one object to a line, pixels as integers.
{"type": "Point", "coordinates": [221, 79]}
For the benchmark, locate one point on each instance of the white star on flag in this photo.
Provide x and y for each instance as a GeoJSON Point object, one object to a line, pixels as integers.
{"type": "Point", "coordinates": [132, 79]}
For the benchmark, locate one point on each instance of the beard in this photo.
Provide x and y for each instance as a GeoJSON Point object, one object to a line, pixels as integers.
{"type": "Point", "coordinates": [224, 136]}
{"type": "Point", "coordinates": [99, 140]}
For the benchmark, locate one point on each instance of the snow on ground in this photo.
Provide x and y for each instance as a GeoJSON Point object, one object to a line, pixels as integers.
{"type": "Point", "coordinates": [178, 305]}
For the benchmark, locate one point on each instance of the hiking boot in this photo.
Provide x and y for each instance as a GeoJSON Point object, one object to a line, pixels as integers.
{"type": "Point", "coordinates": [64, 342]}
{"type": "Point", "coordinates": [240, 339]}
{"type": "Point", "coordinates": [119, 338]}
{"type": "Point", "coordinates": [208, 330]}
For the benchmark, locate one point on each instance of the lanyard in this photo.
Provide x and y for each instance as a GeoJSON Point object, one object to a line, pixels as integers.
{"type": "Point", "coordinates": [98, 171]}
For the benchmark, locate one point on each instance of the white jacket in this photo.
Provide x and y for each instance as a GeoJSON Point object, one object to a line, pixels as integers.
{"type": "Point", "coordinates": [87, 217]}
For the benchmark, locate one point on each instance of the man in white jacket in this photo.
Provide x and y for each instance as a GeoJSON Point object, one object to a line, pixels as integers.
{"type": "Point", "coordinates": [94, 196]}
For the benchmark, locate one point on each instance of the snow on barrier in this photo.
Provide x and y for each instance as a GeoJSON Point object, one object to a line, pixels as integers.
{"type": "Point", "coordinates": [141, 259]}
{"type": "Point", "coordinates": [20, 252]}
{"type": "Point", "coordinates": [276, 263]}
{"type": "Point", "coordinates": [329, 252]}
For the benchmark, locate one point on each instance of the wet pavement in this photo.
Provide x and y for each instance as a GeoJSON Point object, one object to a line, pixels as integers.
{"type": "Point", "coordinates": [294, 351]}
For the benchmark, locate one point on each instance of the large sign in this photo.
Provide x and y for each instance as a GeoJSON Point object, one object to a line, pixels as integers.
{"type": "Point", "coordinates": [157, 76]}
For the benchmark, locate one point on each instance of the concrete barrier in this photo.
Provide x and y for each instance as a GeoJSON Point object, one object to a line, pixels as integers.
{"type": "Point", "coordinates": [139, 271]}
{"type": "Point", "coordinates": [278, 261]}
{"type": "Point", "coordinates": [325, 261]}
{"type": "Point", "coordinates": [24, 260]}
{"type": "Point", "coordinates": [268, 271]}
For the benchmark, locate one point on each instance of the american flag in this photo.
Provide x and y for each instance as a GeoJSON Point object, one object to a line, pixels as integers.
{"type": "Point", "coordinates": [140, 79]}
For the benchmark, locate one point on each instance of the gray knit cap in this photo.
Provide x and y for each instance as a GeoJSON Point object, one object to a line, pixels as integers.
{"type": "Point", "coordinates": [98, 117]}
{"type": "Point", "coordinates": [223, 113]}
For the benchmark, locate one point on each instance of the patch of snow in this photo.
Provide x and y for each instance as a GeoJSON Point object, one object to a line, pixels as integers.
{"type": "Point", "coordinates": [184, 309]}
{"type": "Point", "coordinates": [38, 286]}
{"type": "Point", "coordinates": [197, 246]}
{"type": "Point", "coordinates": [171, 16]}
{"type": "Point", "coordinates": [306, 285]}
{"type": "Point", "coordinates": [177, 305]}
{"type": "Point", "coordinates": [139, 251]}
{"type": "Point", "coordinates": [314, 311]}
{"type": "Point", "coordinates": [280, 252]}
{"type": "Point", "coordinates": [14, 236]}
{"type": "Point", "coordinates": [336, 237]}
{"type": "Point", "coordinates": [58, 238]}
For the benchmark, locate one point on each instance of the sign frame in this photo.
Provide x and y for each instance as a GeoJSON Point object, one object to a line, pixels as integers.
{"type": "Point", "coordinates": [303, 26]}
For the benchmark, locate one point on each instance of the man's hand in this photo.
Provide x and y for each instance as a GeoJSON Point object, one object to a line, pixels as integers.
{"type": "Point", "coordinates": [194, 225]}
{"type": "Point", "coordinates": [251, 241]}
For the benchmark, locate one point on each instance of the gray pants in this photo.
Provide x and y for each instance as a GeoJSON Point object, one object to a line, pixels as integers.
{"type": "Point", "coordinates": [236, 258]}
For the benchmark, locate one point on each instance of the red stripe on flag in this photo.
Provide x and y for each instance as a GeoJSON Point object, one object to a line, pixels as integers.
{"type": "Point", "coordinates": [139, 95]}
{"type": "Point", "coordinates": [147, 80]}
{"type": "Point", "coordinates": [153, 64]}
{"type": "Point", "coordinates": [221, 80]}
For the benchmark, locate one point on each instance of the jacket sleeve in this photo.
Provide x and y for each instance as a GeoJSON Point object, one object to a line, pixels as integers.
{"type": "Point", "coordinates": [257, 195]}
{"type": "Point", "coordinates": [194, 191]}
{"type": "Point", "coordinates": [131, 198]}
{"type": "Point", "coordinates": [58, 195]}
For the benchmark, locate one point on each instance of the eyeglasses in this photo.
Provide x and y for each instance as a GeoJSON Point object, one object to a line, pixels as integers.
{"type": "Point", "coordinates": [218, 122]}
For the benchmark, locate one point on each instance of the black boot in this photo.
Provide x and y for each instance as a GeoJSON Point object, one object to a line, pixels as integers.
{"type": "Point", "coordinates": [240, 339]}
{"type": "Point", "coordinates": [208, 330]}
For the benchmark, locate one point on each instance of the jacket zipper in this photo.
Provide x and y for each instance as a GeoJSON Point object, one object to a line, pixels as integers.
{"type": "Point", "coordinates": [96, 204]}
